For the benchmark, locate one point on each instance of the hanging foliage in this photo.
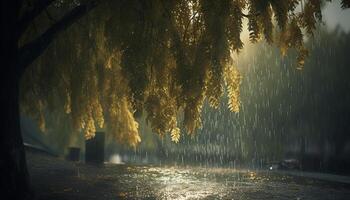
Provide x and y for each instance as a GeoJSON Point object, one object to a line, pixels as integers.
{"type": "Point", "coordinates": [158, 58]}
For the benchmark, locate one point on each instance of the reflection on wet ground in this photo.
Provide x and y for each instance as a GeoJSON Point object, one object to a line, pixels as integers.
{"type": "Point", "coordinates": [208, 183]}
{"type": "Point", "coordinates": [59, 179]}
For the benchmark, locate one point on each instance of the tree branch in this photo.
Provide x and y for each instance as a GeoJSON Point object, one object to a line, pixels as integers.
{"type": "Point", "coordinates": [29, 52]}
{"type": "Point", "coordinates": [29, 16]}
{"type": "Point", "coordinates": [250, 15]}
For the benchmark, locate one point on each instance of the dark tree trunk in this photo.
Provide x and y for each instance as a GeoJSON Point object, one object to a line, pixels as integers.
{"type": "Point", "coordinates": [13, 168]}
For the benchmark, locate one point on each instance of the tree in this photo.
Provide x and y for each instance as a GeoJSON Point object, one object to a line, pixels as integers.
{"type": "Point", "coordinates": [15, 19]}
{"type": "Point", "coordinates": [108, 61]}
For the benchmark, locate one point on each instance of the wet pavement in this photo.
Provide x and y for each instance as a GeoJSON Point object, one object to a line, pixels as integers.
{"type": "Point", "coordinates": [54, 178]}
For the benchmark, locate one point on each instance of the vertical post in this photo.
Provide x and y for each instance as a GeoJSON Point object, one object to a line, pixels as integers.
{"type": "Point", "coordinates": [95, 148]}
{"type": "Point", "coordinates": [303, 154]}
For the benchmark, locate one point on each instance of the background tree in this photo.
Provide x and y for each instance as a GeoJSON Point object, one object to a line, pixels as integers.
{"type": "Point", "coordinates": [106, 66]}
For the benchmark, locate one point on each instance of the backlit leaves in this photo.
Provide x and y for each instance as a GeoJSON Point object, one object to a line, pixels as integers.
{"type": "Point", "coordinates": [160, 59]}
{"type": "Point", "coordinates": [233, 81]}
{"type": "Point", "coordinates": [311, 14]}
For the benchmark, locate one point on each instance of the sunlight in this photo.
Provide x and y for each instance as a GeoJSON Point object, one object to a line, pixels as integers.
{"type": "Point", "coordinates": [174, 180]}
{"type": "Point", "coordinates": [116, 159]}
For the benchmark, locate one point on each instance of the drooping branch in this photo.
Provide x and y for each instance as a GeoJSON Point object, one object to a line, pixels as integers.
{"type": "Point", "coordinates": [29, 52]}
{"type": "Point", "coordinates": [345, 4]}
{"type": "Point", "coordinates": [250, 15]}
{"type": "Point", "coordinates": [30, 15]}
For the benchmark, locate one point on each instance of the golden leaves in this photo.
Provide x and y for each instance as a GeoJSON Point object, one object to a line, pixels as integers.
{"type": "Point", "coordinates": [233, 81]}
{"type": "Point", "coordinates": [292, 37]}
{"type": "Point", "coordinates": [175, 135]}
{"type": "Point", "coordinates": [89, 128]}
{"type": "Point", "coordinates": [162, 57]}
{"type": "Point", "coordinates": [161, 112]}
{"type": "Point", "coordinates": [123, 125]}
{"type": "Point", "coordinates": [214, 89]}
{"type": "Point", "coordinates": [303, 53]}
{"type": "Point", "coordinates": [117, 104]}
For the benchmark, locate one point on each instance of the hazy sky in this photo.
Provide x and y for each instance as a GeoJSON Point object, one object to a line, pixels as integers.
{"type": "Point", "coordinates": [333, 15]}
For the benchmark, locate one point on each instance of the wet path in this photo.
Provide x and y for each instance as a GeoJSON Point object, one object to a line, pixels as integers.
{"type": "Point", "coordinates": [59, 179]}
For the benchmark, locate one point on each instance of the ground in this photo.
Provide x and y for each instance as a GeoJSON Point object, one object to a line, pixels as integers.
{"type": "Point", "coordinates": [55, 178]}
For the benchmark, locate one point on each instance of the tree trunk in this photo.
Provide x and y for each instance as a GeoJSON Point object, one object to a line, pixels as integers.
{"type": "Point", "coordinates": [13, 168]}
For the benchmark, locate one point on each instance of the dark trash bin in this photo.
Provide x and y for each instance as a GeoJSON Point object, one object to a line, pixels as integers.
{"type": "Point", "coordinates": [94, 148]}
